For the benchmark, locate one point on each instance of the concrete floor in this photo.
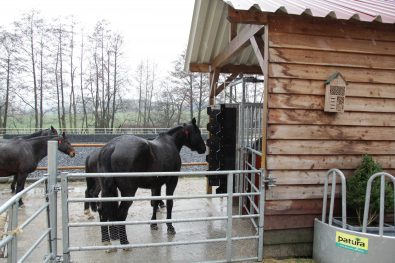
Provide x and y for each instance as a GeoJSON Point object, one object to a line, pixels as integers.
{"type": "Point", "coordinates": [192, 208]}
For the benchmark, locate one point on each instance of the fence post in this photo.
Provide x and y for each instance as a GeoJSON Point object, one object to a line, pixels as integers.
{"type": "Point", "coordinates": [229, 213]}
{"type": "Point", "coordinates": [52, 192]}
{"type": "Point", "coordinates": [261, 217]}
{"type": "Point", "coordinates": [12, 248]}
{"type": "Point", "coordinates": [65, 218]}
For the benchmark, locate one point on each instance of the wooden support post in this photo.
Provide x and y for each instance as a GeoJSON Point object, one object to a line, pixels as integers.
{"type": "Point", "coordinates": [261, 49]}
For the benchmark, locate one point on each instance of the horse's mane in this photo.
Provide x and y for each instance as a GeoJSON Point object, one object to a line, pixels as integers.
{"type": "Point", "coordinates": [171, 131]}
{"type": "Point", "coordinates": [35, 134]}
{"type": "Point", "coordinates": [43, 137]}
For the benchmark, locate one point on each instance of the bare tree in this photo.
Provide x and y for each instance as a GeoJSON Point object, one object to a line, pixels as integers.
{"type": "Point", "coordinates": [8, 63]}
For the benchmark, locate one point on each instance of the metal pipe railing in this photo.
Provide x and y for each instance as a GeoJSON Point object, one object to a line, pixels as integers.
{"type": "Point", "coordinates": [334, 173]}
{"type": "Point", "coordinates": [382, 176]}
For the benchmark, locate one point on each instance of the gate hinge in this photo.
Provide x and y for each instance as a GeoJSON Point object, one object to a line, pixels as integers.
{"type": "Point", "coordinates": [270, 181]}
{"type": "Point", "coordinates": [57, 188]}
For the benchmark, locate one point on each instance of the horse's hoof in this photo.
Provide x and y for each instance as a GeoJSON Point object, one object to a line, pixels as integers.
{"type": "Point", "coordinates": [171, 230]}
{"type": "Point", "coordinates": [154, 227]}
{"type": "Point", "coordinates": [91, 217]}
{"type": "Point", "coordinates": [21, 205]}
{"type": "Point", "coordinates": [110, 250]}
{"type": "Point", "coordinates": [87, 211]}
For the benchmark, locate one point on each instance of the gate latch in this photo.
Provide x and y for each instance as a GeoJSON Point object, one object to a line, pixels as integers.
{"type": "Point", "coordinates": [57, 188]}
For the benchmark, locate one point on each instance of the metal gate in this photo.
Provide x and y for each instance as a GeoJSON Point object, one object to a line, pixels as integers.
{"type": "Point", "coordinates": [230, 214]}
{"type": "Point", "coordinates": [16, 232]}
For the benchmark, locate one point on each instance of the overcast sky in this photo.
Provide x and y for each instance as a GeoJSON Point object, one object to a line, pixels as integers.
{"type": "Point", "coordinates": [153, 29]}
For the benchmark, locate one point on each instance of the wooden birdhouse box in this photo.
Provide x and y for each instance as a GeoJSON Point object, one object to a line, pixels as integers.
{"type": "Point", "coordinates": [335, 93]}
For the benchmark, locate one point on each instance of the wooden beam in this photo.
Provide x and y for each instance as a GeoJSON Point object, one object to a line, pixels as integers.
{"type": "Point", "coordinates": [258, 47]}
{"type": "Point", "coordinates": [199, 67]}
{"type": "Point", "coordinates": [228, 80]}
{"type": "Point", "coordinates": [252, 16]}
{"type": "Point", "coordinates": [229, 68]}
{"type": "Point", "coordinates": [232, 31]}
{"type": "Point", "coordinates": [246, 69]}
{"type": "Point", "coordinates": [237, 44]}
{"type": "Point", "coordinates": [213, 86]}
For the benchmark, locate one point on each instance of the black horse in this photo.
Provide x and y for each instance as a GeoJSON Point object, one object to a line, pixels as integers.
{"type": "Point", "coordinates": [46, 132]}
{"type": "Point", "coordinates": [130, 153]}
{"type": "Point", "coordinates": [93, 185]}
{"type": "Point", "coordinates": [21, 156]}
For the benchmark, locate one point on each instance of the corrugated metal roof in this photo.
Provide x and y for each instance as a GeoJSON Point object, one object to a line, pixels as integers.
{"type": "Point", "coordinates": [364, 10]}
{"type": "Point", "coordinates": [209, 33]}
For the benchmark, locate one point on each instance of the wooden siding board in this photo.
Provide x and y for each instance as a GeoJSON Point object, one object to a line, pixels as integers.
{"type": "Point", "coordinates": [321, 162]}
{"type": "Point", "coordinates": [302, 177]}
{"type": "Point", "coordinates": [309, 147]}
{"type": "Point", "coordinates": [313, 102]}
{"type": "Point", "coordinates": [281, 116]}
{"type": "Point", "coordinates": [331, 27]}
{"type": "Point", "coordinates": [293, 207]}
{"type": "Point", "coordinates": [317, 87]}
{"type": "Point", "coordinates": [330, 58]}
{"type": "Point", "coordinates": [327, 132]}
{"type": "Point", "coordinates": [273, 222]}
{"type": "Point", "coordinates": [324, 72]}
{"type": "Point", "coordinates": [297, 41]}
{"type": "Point", "coordinates": [296, 192]}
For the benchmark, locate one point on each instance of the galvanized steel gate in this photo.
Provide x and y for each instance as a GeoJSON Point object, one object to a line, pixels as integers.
{"type": "Point", "coordinates": [229, 239]}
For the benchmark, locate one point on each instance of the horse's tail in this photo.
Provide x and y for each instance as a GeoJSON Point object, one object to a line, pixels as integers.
{"type": "Point", "coordinates": [107, 184]}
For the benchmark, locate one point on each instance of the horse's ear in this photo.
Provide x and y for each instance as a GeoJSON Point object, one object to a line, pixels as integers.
{"type": "Point", "coordinates": [53, 129]}
{"type": "Point", "coordinates": [63, 134]}
{"type": "Point", "coordinates": [193, 121]}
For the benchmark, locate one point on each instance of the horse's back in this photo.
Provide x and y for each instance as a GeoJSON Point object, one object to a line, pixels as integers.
{"type": "Point", "coordinates": [125, 153]}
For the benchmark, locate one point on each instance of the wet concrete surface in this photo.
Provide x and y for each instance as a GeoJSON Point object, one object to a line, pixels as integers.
{"type": "Point", "coordinates": [141, 210]}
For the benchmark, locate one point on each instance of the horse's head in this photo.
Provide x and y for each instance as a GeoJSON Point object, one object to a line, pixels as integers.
{"type": "Point", "coordinates": [194, 138]}
{"type": "Point", "coordinates": [65, 146]}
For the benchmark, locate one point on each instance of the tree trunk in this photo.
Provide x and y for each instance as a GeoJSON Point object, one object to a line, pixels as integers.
{"type": "Point", "coordinates": [7, 94]}
{"type": "Point", "coordinates": [63, 117]}
{"type": "Point", "coordinates": [114, 89]}
{"type": "Point", "coordinates": [41, 83]}
{"type": "Point", "coordinates": [34, 74]}
{"type": "Point", "coordinates": [84, 115]}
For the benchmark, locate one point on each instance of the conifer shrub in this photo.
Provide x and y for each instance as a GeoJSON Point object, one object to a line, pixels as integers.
{"type": "Point", "coordinates": [356, 190]}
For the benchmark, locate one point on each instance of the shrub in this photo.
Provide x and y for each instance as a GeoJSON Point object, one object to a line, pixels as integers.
{"type": "Point", "coordinates": [356, 190]}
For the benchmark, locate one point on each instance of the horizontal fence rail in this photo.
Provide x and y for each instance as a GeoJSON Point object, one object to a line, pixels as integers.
{"type": "Point", "coordinates": [92, 131]}
{"type": "Point", "coordinates": [259, 192]}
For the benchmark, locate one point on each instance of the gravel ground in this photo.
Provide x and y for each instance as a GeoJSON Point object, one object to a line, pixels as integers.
{"type": "Point", "coordinates": [187, 156]}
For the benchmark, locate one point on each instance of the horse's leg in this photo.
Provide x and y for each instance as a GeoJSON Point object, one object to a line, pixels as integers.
{"type": "Point", "coordinates": [13, 184]}
{"type": "Point", "coordinates": [123, 212]}
{"type": "Point", "coordinates": [155, 206]}
{"type": "Point", "coordinates": [95, 193]}
{"type": "Point", "coordinates": [20, 185]}
{"type": "Point", "coordinates": [88, 195]}
{"type": "Point", "coordinates": [170, 187]}
{"type": "Point", "coordinates": [108, 211]}
{"type": "Point", "coordinates": [161, 204]}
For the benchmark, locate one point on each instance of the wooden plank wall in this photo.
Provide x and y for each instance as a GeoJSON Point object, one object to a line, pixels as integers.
{"type": "Point", "coordinates": [304, 141]}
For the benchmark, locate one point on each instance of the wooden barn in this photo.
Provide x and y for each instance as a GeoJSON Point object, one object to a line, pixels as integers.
{"type": "Point", "coordinates": [329, 94]}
